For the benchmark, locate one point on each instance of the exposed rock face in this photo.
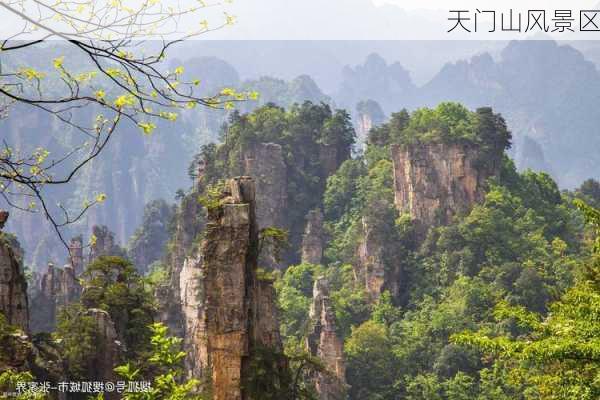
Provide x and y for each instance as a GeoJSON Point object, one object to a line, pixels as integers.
{"type": "Point", "coordinates": [312, 240]}
{"type": "Point", "coordinates": [277, 203]}
{"type": "Point", "coordinates": [265, 164]}
{"type": "Point", "coordinates": [105, 244]}
{"type": "Point", "coordinates": [188, 224]}
{"type": "Point", "coordinates": [370, 257]}
{"type": "Point", "coordinates": [369, 115]}
{"type": "Point", "coordinates": [433, 182]}
{"type": "Point", "coordinates": [58, 288]}
{"type": "Point", "coordinates": [228, 312]}
{"type": "Point", "coordinates": [240, 307]}
{"type": "Point", "coordinates": [61, 284]}
{"type": "Point", "coordinates": [108, 354]}
{"type": "Point", "coordinates": [330, 158]}
{"type": "Point", "coordinates": [39, 355]}
{"type": "Point", "coordinates": [379, 267]}
{"type": "Point", "coordinates": [148, 241]}
{"type": "Point", "coordinates": [76, 254]}
{"type": "Point", "coordinates": [13, 287]}
{"type": "Point", "coordinates": [3, 218]}
{"type": "Point", "coordinates": [194, 317]}
{"type": "Point", "coordinates": [15, 352]}
{"type": "Point", "coordinates": [324, 342]}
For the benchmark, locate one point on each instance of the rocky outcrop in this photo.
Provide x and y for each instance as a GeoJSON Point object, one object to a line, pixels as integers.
{"type": "Point", "coordinates": [76, 255]}
{"type": "Point", "coordinates": [235, 296]}
{"type": "Point", "coordinates": [435, 181]}
{"type": "Point", "coordinates": [15, 351]}
{"type": "Point", "coordinates": [104, 244]}
{"type": "Point", "coordinates": [3, 218]}
{"type": "Point", "coordinates": [368, 115]}
{"type": "Point", "coordinates": [323, 342]}
{"type": "Point", "coordinates": [264, 162]}
{"type": "Point", "coordinates": [193, 310]}
{"type": "Point", "coordinates": [277, 203]}
{"type": "Point", "coordinates": [39, 356]}
{"type": "Point", "coordinates": [58, 287]}
{"type": "Point", "coordinates": [330, 158]}
{"type": "Point", "coordinates": [313, 238]}
{"type": "Point", "coordinates": [379, 266]}
{"type": "Point", "coordinates": [189, 222]}
{"type": "Point", "coordinates": [147, 245]}
{"type": "Point", "coordinates": [371, 261]}
{"type": "Point", "coordinates": [13, 285]}
{"type": "Point", "coordinates": [229, 311]}
{"type": "Point", "coordinates": [108, 348]}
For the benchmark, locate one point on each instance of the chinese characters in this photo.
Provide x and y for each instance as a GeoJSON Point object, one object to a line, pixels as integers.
{"type": "Point", "coordinates": [84, 387]}
{"type": "Point", "coordinates": [479, 20]}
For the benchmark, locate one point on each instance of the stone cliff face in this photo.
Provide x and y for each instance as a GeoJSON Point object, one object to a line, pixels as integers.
{"type": "Point", "coordinates": [234, 293]}
{"type": "Point", "coordinates": [76, 254]}
{"type": "Point", "coordinates": [17, 350]}
{"type": "Point", "coordinates": [313, 238]}
{"type": "Point", "coordinates": [189, 222]}
{"type": "Point", "coordinates": [324, 343]}
{"type": "Point", "coordinates": [13, 286]}
{"type": "Point", "coordinates": [371, 262]}
{"type": "Point", "coordinates": [108, 350]}
{"type": "Point", "coordinates": [433, 182]}
{"type": "Point", "coordinates": [378, 267]}
{"type": "Point", "coordinates": [228, 311]}
{"type": "Point", "coordinates": [264, 162]}
{"type": "Point", "coordinates": [105, 244]}
{"type": "Point", "coordinates": [368, 115]}
{"type": "Point", "coordinates": [193, 310]}
{"type": "Point", "coordinates": [57, 288]}
{"type": "Point", "coordinates": [276, 200]}
{"type": "Point", "coordinates": [147, 244]}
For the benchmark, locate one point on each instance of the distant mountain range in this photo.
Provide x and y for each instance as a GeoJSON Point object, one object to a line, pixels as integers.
{"type": "Point", "coordinates": [547, 92]}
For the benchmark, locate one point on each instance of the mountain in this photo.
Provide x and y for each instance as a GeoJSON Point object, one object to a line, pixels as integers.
{"type": "Point", "coordinates": [390, 85]}
{"type": "Point", "coordinates": [547, 93]}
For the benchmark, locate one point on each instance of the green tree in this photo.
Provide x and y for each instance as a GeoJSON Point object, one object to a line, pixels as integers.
{"type": "Point", "coordinates": [107, 80]}
{"type": "Point", "coordinates": [77, 334]}
{"type": "Point", "coordinates": [166, 361]}
{"type": "Point", "coordinates": [371, 365]}
{"type": "Point", "coordinates": [294, 296]}
{"type": "Point", "coordinates": [10, 382]}
{"type": "Point", "coordinates": [559, 355]}
{"type": "Point", "coordinates": [113, 285]}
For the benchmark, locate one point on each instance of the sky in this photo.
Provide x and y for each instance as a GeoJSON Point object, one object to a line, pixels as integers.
{"type": "Point", "coordinates": [376, 19]}
{"type": "Point", "coordinates": [337, 19]}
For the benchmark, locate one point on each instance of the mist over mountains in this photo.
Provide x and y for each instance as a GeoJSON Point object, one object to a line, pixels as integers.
{"type": "Point", "coordinates": [547, 92]}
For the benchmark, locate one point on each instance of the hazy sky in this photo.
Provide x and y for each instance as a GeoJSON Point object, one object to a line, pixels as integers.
{"type": "Point", "coordinates": [372, 19]}
{"type": "Point", "coordinates": [340, 19]}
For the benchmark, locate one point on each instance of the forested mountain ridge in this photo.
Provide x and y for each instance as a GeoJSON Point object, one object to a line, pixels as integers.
{"type": "Point", "coordinates": [139, 168]}
{"type": "Point", "coordinates": [546, 93]}
{"type": "Point", "coordinates": [543, 117]}
{"type": "Point", "coordinates": [417, 270]}
{"type": "Point", "coordinates": [544, 90]}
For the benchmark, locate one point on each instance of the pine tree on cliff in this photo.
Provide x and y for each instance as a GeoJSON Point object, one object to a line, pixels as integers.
{"type": "Point", "coordinates": [492, 131]}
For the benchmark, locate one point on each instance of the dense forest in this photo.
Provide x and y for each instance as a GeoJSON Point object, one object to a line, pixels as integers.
{"type": "Point", "coordinates": [425, 267]}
